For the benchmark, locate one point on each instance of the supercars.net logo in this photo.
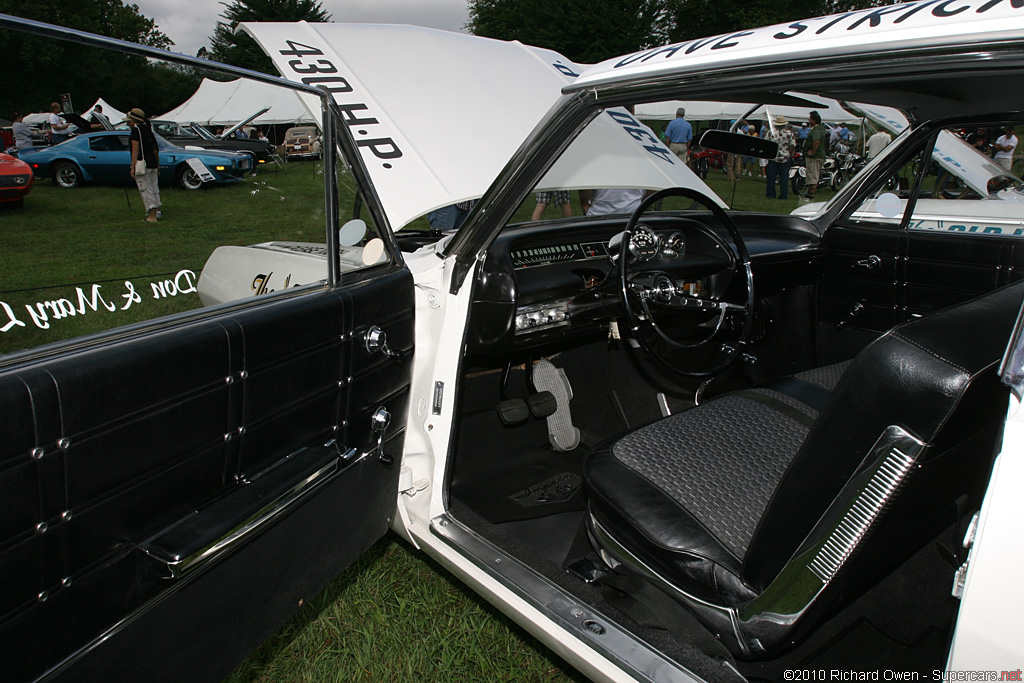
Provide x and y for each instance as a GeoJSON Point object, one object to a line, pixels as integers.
{"type": "Point", "coordinates": [896, 675]}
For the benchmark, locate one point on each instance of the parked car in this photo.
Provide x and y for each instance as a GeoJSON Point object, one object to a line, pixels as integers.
{"type": "Point", "coordinates": [302, 141]}
{"type": "Point", "coordinates": [672, 440]}
{"type": "Point", "coordinates": [15, 180]}
{"type": "Point", "coordinates": [196, 135]}
{"type": "Point", "coordinates": [103, 157]}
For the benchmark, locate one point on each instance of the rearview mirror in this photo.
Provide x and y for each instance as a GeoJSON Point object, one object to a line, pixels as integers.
{"type": "Point", "coordinates": [739, 143]}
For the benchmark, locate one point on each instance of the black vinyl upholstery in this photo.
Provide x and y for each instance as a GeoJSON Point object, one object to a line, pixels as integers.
{"type": "Point", "coordinates": [731, 502]}
{"type": "Point", "coordinates": [105, 448]}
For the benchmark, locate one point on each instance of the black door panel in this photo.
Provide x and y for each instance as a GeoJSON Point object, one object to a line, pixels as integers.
{"type": "Point", "coordinates": [917, 273]}
{"type": "Point", "coordinates": [857, 294]}
{"type": "Point", "coordinates": [944, 269]}
{"type": "Point", "coordinates": [109, 450]}
{"type": "Point", "coordinates": [209, 621]}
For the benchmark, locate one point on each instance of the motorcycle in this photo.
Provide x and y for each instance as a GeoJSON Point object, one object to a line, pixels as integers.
{"type": "Point", "coordinates": [702, 160]}
{"type": "Point", "coordinates": [798, 174]}
{"type": "Point", "coordinates": [848, 165]}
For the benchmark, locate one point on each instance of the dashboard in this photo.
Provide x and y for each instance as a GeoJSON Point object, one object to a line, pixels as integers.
{"type": "Point", "coordinates": [553, 282]}
{"type": "Point", "coordinates": [554, 253]}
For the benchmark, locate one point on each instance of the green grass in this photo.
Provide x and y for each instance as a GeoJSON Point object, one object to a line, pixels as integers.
{"type": "Point", "coordinates": [393, 616]}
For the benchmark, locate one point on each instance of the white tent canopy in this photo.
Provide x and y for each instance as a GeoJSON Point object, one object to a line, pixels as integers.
{"type": "Point", "coordinates": [696, 110]}
{"type": "Point", "coordinates": [220, 103]}
{"type": "Point", "coordinates": [37, 119]}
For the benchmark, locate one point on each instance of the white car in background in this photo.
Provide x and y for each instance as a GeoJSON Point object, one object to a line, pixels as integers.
{"type": "Point", "coordinates": [675, 442]}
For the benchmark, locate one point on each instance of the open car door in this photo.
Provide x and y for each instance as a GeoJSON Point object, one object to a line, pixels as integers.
{"type": "Point", "coordinates": [175, 481]}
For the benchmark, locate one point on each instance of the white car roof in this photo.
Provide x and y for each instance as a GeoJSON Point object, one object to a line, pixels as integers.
{"type": "Point", "coordinates": [439, 114]}
{"type": "Point", "coordinates": [883, 29]}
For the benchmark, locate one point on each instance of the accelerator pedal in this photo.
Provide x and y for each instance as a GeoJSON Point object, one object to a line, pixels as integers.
{"type": "Point", "coordinates": [561, 432]}
{"type": "Point", "coordinates": [542, 404]}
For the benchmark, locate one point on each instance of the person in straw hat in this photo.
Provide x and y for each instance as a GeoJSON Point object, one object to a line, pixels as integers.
{"type": "Point", "coordinates": [778, 168]}
{"type": "Point", "coordinates": [145, 165]}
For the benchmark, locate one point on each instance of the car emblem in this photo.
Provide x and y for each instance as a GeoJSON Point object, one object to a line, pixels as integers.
{"type": "Point", "coordinates": [20, 180]}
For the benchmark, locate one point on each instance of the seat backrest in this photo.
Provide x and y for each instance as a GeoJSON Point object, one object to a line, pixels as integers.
{"type": "Point", "coordinates": [935, 379]}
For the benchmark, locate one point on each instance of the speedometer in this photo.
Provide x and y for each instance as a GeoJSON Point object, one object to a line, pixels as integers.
{"type": "Point", "coordinates": [644, 245]}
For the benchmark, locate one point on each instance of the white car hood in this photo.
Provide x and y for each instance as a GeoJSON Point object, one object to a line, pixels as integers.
{"type": "Point", "coordinates": [951, 153]}
{"type": "Point", "coordinates": [438, 114]}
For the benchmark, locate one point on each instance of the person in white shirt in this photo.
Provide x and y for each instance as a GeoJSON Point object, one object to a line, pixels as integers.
{"type": "Point", "coordinates": [877, 142]}
{"type": "Point", "coordinates": [1005, 145]}
{"type": "Point", "coordinates": [58, 126]}
{"type": "Point", "coordinates": [610, 200]}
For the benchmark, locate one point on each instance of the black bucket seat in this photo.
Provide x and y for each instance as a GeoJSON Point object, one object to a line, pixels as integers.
{"type": "Point", "coordinates": [760, 508]}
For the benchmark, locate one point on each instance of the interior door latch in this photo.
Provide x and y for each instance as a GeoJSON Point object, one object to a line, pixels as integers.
{"type": "Point", "coordinates": [379, 424]}
{"type": "Point", "coordinates": [871, 262]}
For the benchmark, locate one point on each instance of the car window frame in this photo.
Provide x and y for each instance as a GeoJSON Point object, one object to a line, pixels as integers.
{"type": "Point", "coordinates": [837, 210]}
{"type": "Point", "coordinates": [334, 134]}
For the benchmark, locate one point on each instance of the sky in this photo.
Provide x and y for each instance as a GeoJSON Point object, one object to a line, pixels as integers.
{"type": "Point", "coordinates": [190, 23]}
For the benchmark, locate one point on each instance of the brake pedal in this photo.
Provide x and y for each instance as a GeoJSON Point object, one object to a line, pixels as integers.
{"type": "Point", "coordinates": [513, 412]}
{"type": "Point", "coordinates": [561, 432]}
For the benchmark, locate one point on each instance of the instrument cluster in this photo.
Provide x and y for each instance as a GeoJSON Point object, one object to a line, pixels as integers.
{"type": "Point", "coordinates": [647, 245]}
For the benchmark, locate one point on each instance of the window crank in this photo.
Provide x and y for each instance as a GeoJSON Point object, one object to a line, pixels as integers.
{"type": "Point", "coordinates": [377, 340]}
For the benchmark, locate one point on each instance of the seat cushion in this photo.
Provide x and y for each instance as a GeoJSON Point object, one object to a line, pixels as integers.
{"type": "Point", "coordinates": [685, 494]}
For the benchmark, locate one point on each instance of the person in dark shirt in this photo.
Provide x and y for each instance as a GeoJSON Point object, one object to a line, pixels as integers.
{"type": "Point", "coordinates": [145, 166]}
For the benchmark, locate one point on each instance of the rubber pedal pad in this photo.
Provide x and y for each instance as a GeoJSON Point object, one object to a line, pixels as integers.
{"type": "Point", "coordinates": [562, 434]}
{"type": "Point", "coordinates": [513, 412]}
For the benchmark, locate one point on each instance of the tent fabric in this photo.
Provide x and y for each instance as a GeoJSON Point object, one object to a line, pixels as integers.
{"type": "Point", "coordinates": [440, 114]}
{"type": "Point", "coordinates": [225, 103]}
{"type": "Point", "coordinates": [37, 119]}
{"type": "Point", "coordinates": [831, 111]}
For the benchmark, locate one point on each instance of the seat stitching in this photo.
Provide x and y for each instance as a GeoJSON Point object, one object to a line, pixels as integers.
{"type": "Point", "coordinates": [917, 345]}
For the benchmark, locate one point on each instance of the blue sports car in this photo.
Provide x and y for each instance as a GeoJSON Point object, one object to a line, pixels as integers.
{"type": "Point", "coordinates": [104, 157]}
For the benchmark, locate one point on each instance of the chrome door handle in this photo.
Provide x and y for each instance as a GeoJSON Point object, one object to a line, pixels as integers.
{"type": "Point", "coordinates": [871, 262]}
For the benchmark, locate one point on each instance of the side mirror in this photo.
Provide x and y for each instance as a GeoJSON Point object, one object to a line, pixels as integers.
{"type": "Point", "coordinates": [738, 143]}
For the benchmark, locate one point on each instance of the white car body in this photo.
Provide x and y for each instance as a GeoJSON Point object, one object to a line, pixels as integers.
{"type": "Point", "coordinates": [411, 161]}
{"type": "Point", "coordinates": [441, 315]}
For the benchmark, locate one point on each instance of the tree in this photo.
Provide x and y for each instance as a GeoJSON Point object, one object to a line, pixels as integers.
{"type": "Point", "coordinates": [585, 31]}
{"type": "Point", "coordinates": [703, 18]}
{"type": "Point", "coordinates": [240, 49]}
{"type": "Point", "coordinates": [38, 70]}
{"type": "Point", "coordinates": [589, 31]}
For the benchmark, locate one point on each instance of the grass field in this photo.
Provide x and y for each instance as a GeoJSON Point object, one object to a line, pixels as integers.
{"type": "Point", "coordinates": [393, 616]}
{"type": "Point", "coordinates": [64, 239]}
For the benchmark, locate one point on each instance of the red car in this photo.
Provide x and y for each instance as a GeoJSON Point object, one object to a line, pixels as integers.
{"type": "Point", "coordinates": [15, 180]}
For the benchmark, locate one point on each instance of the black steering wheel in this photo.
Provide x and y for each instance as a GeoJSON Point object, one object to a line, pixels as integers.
{"type": "Point", "coordinates": [643, 292]}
